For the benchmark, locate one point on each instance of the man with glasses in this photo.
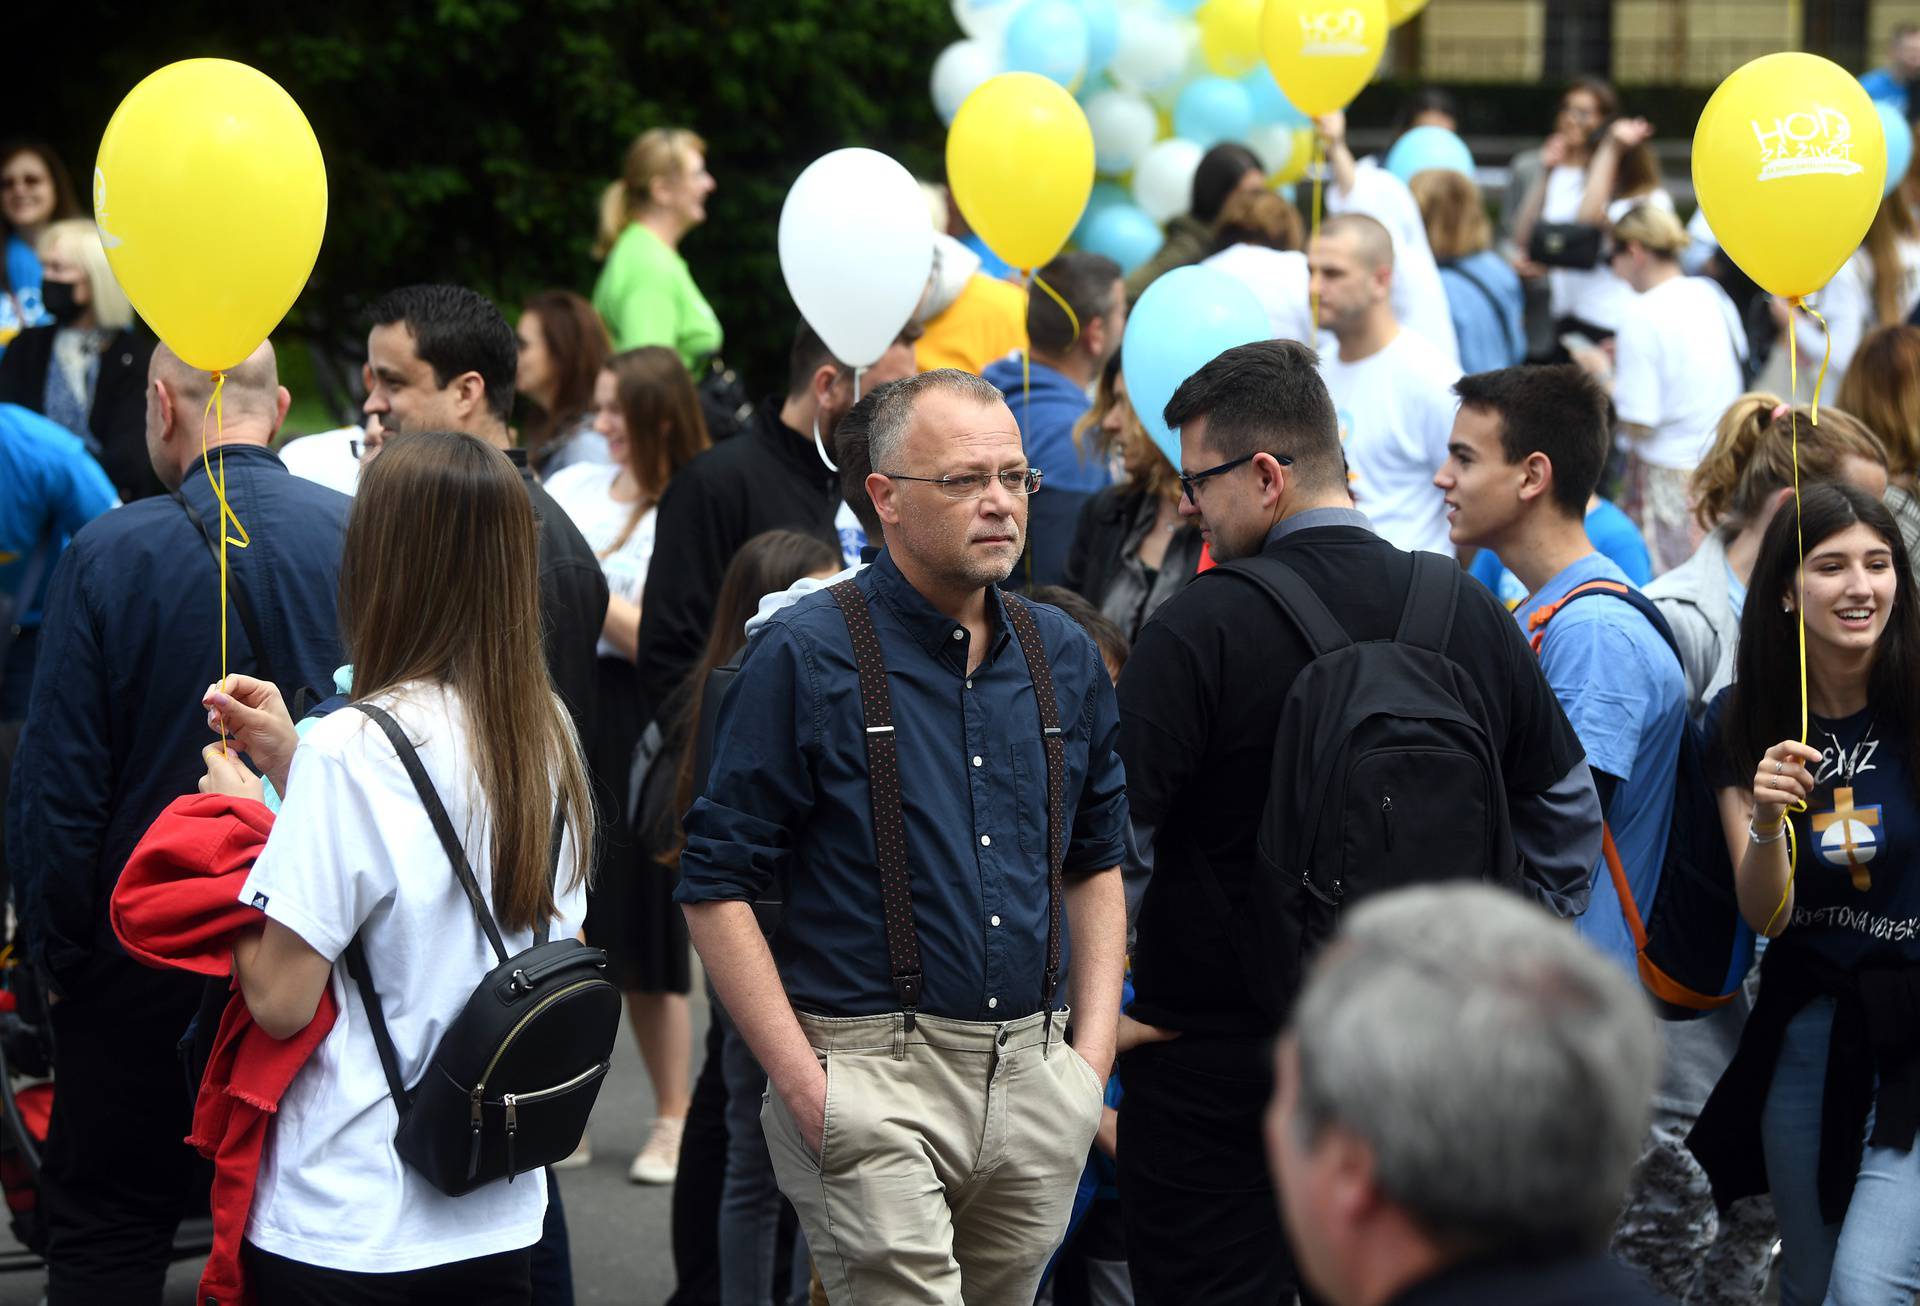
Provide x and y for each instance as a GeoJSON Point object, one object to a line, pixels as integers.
{"type": "Point", "coordinates": [1200, 712]}
{"type": "Point", "coordinates": [928, 763]}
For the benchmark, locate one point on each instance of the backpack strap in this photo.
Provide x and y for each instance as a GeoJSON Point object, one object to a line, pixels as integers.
{"type": "Point", "coordinates": [356, 959]}
{"type": "Point", "coordinates": [1322, 632]}
{"type": "Point", "coordinates": [442, 823]}
{"type": "Point", "coordinates": [1433, 595]}
{"type": "Point", "coordinates": [1020, 617]}
{"type": "Point", "coordinates": [1646, 607]}
{"type": "Point", "coordinates": [1459, 268]}
{"type": "Point", "coordinates": [883, 790]}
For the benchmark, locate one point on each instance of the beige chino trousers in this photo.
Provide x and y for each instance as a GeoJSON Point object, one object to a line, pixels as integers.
{"type": "Point", "coordinates": [949, 1161]}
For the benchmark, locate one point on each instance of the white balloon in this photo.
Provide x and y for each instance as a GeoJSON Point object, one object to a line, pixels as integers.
{"type": "Point", "coordinates": [984, 19]}
{"type": "Point", "coordinates": [961, 68]}
{"type": "Point", "coordinates": [1193, 64]}
{"type": "Point", "coordinates": [1163, 179]}
{"type": "Point", "coordinates": [856, 250]}
{"type": "Point", "coordinates": [1152, 52]}
{"type": "Point", "coordinates": [1124, 128]}
{"type": "Point", "coordinates": [1273, 144]}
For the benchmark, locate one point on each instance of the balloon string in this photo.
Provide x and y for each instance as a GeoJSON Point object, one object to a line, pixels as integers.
{"type": "Point", "coordinates": [216, 408]}
{"type": "Point", "coordinates": [1319, 162]}
{"type": "Point", "coordinates": [1800, 545]}
{"type": "Point", "coordinates": [1026, 400]}
{"type": "Point", "coordinates": [1073, 319]}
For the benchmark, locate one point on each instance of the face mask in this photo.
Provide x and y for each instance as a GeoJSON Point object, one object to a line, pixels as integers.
{"type": "Point", "coordinates": [58, 299]}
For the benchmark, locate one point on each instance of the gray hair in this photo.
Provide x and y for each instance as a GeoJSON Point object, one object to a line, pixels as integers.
{"type": "Point", "coordinates": [1499, 1067]}
{"type": "Point", "coordinates": [893, 414]}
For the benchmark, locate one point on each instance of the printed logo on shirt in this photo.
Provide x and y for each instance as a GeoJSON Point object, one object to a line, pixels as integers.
{"type": "Point", "coordinates": [1849, 836]}
{"type": "Point", "coordinates": [1333, 33]}
{"type": "Point", "coordinates": [1815, 141]}
{"type": "Point", "coordinates": [259, 902]}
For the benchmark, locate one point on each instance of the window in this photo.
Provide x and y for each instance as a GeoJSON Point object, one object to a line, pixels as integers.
{"type": "Point", "coordinates": [1579, 39]}
{"type": "Point", "coordinates": [1838, 30]}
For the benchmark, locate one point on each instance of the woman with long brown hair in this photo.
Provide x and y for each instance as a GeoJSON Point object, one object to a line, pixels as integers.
{"type": "Point", "coordinates": [453, 653]}
{"type": "Point", "coordinates": [645, 408]}
{"type": "Point", "coordinates": [563, 346]}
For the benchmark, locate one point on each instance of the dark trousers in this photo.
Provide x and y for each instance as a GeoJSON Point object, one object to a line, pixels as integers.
{"type": "Point", "coordinates": [697, 1188]}
{"type": "Point", "coordinates": [552, 1267]}
{"type": "Point", "coordinates": [498, 1280]}
{"type": "Point", "coordinates": [116, 1176]}
{"type": "Point", "coordinates": [1196, 1201]}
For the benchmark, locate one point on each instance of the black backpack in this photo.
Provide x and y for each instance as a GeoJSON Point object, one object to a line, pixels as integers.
{"type": "Point", "coordinates": [1384, 774]}
{"type": "Point", "coordinates": [515, 1076]}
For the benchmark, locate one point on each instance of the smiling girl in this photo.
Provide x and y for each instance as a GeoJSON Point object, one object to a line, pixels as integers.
{"type": "Point", "coordinates": [1824, 836]}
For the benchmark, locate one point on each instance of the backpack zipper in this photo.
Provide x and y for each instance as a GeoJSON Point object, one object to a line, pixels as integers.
{"type": "Point", "coordinates": [513, 1127]}
{"type": "Point", "coordinates": [1386, 818]}
{"type": "Point", "coordinates": [1331, 896]}
{"type": "Point", "coordinates": [479, 1089]}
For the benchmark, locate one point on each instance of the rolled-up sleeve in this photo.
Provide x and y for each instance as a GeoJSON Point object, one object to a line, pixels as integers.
{"type": "Point", "coordinates": [742, 831]}
{"type": "Point", "coordinates": [1100, 816]}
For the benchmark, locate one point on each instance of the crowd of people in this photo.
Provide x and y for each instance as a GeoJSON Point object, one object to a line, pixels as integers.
{"type": "Point", "coordinates": [1151, 986]}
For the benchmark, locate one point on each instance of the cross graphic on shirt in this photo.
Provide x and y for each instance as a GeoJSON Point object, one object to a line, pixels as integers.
{"type": "Point", "coordinates": [1843, 813]}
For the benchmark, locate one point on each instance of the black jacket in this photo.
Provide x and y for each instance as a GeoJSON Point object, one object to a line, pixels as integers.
{"type": "Point", "coordinates": [573, 602]}
{"type": "Point", "coordinates": [767, 478]}
{"type": "Point", "coordinates": [130, 641]}
{"type": "Point", "coordinates": [1579, 1281]}
{"type": "Point", "coordinates": [118, 417]}
{"type": "Point", "coordinates": [1096, 561]}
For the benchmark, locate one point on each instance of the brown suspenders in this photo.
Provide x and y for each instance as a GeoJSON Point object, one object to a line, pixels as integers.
{"type": "Point", "coordinates": [883, 779]}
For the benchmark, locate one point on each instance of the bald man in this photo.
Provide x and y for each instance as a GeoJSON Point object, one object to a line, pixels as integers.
{"type": "Point", "coordinates": [114, 728]}
{"type": "Point", "coordinates": [1392, 388]}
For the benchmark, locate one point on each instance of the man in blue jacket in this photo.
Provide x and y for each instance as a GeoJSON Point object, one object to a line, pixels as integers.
{"type": "Point", "coordinates": [1048, 396]}
{"type": "Point", "coordinates": [114, 728]}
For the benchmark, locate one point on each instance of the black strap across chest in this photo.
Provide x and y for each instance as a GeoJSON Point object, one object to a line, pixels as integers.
{"type": "Point", "coordinates": [883, 782]}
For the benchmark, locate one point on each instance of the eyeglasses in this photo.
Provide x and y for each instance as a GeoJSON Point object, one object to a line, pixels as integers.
{"type": "Point", "coordinates": [971, 485]}
{"type": "Point", "coordinates": [1190, 483]}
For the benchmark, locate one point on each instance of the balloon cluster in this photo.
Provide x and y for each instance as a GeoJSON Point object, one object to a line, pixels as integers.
{"type": "Point", "coordinates": [1161, 82]}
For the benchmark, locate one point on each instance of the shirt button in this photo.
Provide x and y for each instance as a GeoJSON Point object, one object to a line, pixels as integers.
{"type": "Point", "coordinates": [976, 761]}
{"type": "Point", "coordinates": [959, 634]}
{"type": "Point", "coordinates": [993, 920]}
{"type": "Point", "coordinates": [969, 684]}
{"type": "Point", "coordinates": [986, 841]}
{"type": "Point", "coordinates": [992, 1003]}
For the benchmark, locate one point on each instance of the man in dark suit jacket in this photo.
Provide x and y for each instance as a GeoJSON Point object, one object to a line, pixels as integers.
{"type": "Point", "coordinates": [1460, 1101]}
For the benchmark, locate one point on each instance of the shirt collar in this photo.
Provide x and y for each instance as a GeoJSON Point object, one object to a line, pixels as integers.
{"type": "Point", "coordinates": [242, 452]}
{"type": "Point", "coordinates": [794, 448]}
{"type": "Point", "coordinates": [1313, 518]}
{"type": "Point", "coordinates": [933, 629]}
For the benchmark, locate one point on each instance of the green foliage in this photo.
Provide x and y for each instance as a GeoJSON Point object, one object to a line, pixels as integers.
{"type": "Point", "coordinates": [469, 140]}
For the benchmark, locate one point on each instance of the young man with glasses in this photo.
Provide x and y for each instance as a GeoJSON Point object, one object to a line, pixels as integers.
{"type": "Point", "coordinates": [1200, 712]}
{"type": "Point", "coordinates": [928, 763]}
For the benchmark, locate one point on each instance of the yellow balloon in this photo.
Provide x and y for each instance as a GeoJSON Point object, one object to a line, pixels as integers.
{"type": "Point", "coordinates": [1399, 11]}
{"type": "Point", "coordinates": [1020, 162]}
{"type": "Point", "coordinates": [1790, 162]}
{"type": "Point", "coordinates": [211, 198]}
{"type": "Point", "coordinates": [1323, 51]}
{"type": "Point", "coordinates": [1230, 35]}
{"type": "Point", "coordinates": [1296, 165]}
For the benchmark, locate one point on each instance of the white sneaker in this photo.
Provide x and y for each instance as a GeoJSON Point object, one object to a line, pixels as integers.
{"type": "Point", "coordinates": [580, 1157]}
{"type": "Point", "coordinates": [659, 1161]}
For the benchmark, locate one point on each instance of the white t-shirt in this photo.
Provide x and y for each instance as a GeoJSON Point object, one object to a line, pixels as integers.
{"type": "Point", "coordinates": [1396, 412]}
{"type": "Point", "coordinates": [1278, 279]}
{"type": "Point", "coordinates": [1676, 368]}
{"type": "Point", "coordinates": [585, 490]}
{"type": "Point", "coordinates": [326, 458]}
{"type": "Point", "coordinates": [353, 850]}
{"type": "Point", "coordinates": [1419, 297]}
{"type": "Point", "coordinates": [1847, 302]}
{"type": "Point", "coordinates": [1593, 295]}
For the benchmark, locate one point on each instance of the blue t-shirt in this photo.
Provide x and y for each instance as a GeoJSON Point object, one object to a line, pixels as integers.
{"type": "Point", "coordinates": [1624, 693]}
{"type": "Point", "coordinates": [1486, 302]}
{"type": "Point", "coordinates": [1856, 889]}
{"type": "Point", "coordinates": [1881, 85]}
{"type": "Point", "coordinates": [1608, 530]}
{"type": "Point", "coordinates": [49, 488]}
{"type": "Point", "coordinates": [22, 308]}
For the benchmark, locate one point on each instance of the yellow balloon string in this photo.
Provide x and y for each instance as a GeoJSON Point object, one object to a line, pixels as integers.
{"type": "Point", "coordinates": [217, 410]}
{"type": "Point", "coordinates": [1313, 233]}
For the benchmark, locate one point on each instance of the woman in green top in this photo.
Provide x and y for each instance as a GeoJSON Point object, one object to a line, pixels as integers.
{"type": "Point", "coordinates": [645, 292]}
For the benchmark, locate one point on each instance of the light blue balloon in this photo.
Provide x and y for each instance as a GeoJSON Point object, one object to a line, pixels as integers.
{"type": "Point", "coordinates": [1270, 103]}
{"type": "Point", "coordinates": [1184, 321]}
{"type": "Point", "coordinates": [1106, 195]}
{"type": "Point", "coordinates": [1899, 142]}
{"type": "Point", "coordinates": [1211, 110]}
{"type": "Point", "coordinates": [1124, 234]}
{"type": "Point", "coordinates": [1423, 148]}
{"type": "Point", "coordinates": [1181, 6]}
{"type": "Point", "coordinates": [1048, 37]}
{"type": "Point", "coordinates": [1103, 32]}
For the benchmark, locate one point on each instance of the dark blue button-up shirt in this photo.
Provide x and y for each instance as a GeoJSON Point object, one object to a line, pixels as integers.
{"type": "Point", "coordinates": [787, 796]}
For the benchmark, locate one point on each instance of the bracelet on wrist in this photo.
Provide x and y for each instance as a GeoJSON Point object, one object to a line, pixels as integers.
{"type": "Point", "coordinates": [1773, 836]}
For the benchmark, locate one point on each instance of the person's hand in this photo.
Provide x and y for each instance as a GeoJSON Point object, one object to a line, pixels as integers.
{"type": "Point", "coordinates": [1554, 153]}
{"type": "Point", "coordinates": [806, 1102]}
{"type": "Point", "coordinates": [1133, 1034]}
{"type": "Point", "coordinates": [1527, 268]}
{"type": "Point", "coordinates": [1782, 780]}
{"type": "Point", "coordinates": [1332, 128]}
{"type": "Point", "coordinates": [1625, 133]}
{"type": "Point", "coordinates": [227, 774]}
{"type": "Point", "coordinates": [253, 712]}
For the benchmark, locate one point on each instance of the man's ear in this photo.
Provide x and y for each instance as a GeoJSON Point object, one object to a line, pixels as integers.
{"type": "Point", "coordinates": [282, 401]}
{"type": "Point", "coordinates": [883, 492]}
{"type": "Point", "coordinates": [826, 378]}
{"type": "Point", "coordinates": [162, 402]}
{"type": "Point", "coordinates": [1093, 337]}
{"type": "Point", "coordinates": [1275, 479]}
{"type": "Point", "coordinates": [470, 392]}
{"type": "Point", "coordinates": [1536, 476]}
